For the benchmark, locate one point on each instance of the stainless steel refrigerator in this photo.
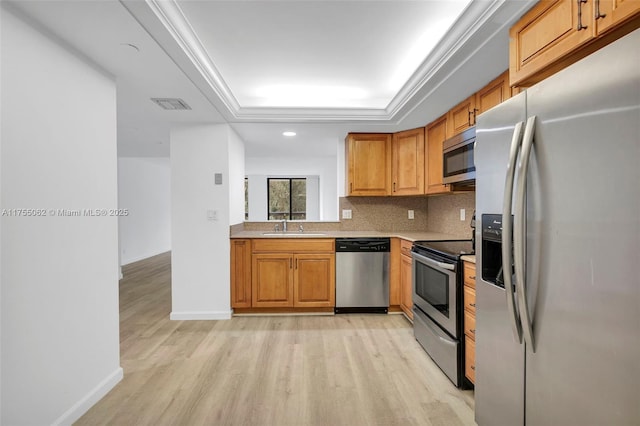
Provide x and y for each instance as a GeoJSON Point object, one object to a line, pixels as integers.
{"type": "Point", "coordinates": [558, 214]}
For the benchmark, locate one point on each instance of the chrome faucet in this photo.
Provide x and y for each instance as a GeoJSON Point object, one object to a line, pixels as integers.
{"type": "Point", "coordinates": [284, 225]}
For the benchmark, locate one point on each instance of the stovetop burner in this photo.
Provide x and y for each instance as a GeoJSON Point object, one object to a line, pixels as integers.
{"type": "Point", "coordinates": [451, 249]}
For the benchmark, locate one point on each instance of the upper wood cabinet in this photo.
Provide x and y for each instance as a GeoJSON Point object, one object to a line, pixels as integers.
{"type": "Point", "coordinates": [556, 33]}
{"type": "Point", "coordinates": [368, 160]}
{"type": "Point", "coordinates": [408, 162]}
{"type": "Point", "coordinates": [612, 13]}
{"type": "Point", "coordinates": [494, 93]}
{"type": "Point", "coordinates": [436, 134]}
{"type": "Point", "coordinates": [461, 116]}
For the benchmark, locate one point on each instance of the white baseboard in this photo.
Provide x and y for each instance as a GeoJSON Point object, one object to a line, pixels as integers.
{"type": "Point", "coordinates": [89, 400]}
{"type": "Point", "coordinates": [201, 315]}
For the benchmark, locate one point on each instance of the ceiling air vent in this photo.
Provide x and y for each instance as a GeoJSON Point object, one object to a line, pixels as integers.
{"type": "Point", "coordinates": [171, 103]}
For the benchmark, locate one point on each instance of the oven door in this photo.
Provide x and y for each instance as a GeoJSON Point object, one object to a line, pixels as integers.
{"type": "Point", "coordinates": [434, 291]}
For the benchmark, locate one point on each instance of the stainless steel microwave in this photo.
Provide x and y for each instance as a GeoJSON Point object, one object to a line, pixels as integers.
{"type": "Point", "coordinates": [457, 164]}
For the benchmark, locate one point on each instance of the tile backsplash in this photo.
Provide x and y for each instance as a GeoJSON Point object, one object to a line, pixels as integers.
{"type": "Point", "coordinates": [443, 214]}
{"type": "Point", "coordinates": [384, 213]}
{"type": "Point", "coordinates": [435, 214]}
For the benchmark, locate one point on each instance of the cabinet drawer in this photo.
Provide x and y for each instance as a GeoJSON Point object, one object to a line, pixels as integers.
{"type": "Point", "coordinates": [470, 359]}
{"type": "Point", "coordinates": [293, 245]}
{"type": "Point", "coordinates": [470, 325]}
{"type": "Point", "coordinates": [470, 299]}
{"type": "Point", "coordinates": [405, 247]}
{"type": "Point", "coordinates": [470, 274]}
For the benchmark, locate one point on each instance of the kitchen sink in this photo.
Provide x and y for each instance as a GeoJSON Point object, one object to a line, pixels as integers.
{"type": "Point", "coordinates": [293, 234]}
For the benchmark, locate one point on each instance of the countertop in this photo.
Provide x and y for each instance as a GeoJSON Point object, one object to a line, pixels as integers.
{"type": "Point", "coordinates": [406, 235]}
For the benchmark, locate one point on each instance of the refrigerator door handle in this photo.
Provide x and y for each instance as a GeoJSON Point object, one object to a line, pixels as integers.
{"type": "Point", "coordinates": [519, 239]}
{"type": "Point", "coordinates": [507, 251]}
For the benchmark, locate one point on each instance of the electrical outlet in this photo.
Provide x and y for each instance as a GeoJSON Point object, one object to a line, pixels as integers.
{"type": "Point", "coordinates": [410, 214]}
{"type": "Point", "coordinates": [346, 214]}
{"type": "Point", "coordinates": [462, 214]}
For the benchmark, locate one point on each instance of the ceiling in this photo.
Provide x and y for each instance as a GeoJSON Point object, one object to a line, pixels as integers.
{"type": "Point", "coordinates": [319, 68]}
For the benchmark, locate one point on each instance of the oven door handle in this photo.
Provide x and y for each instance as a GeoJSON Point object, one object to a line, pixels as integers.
{"type": "Point", "coordinates": [423, 259]}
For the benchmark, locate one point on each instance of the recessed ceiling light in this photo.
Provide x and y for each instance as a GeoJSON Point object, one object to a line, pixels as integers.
{"type": "Point", "coordinates": [289, 133]}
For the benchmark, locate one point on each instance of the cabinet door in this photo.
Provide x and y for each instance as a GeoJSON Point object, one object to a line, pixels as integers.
{"type": "Point", "coordinates": [314, 282]}
{"type": "Point", "coordinates": [240, 273]}
{"type": "Point", "coordinates": [551, 30]}
{"type": "Point", "coordinates": [611, 13]}
{"type": "Point", "coordinates": [272, 280]}
{"type": "Point", "coordinates": [461, 116]}
{"type": "Point", "coordinates": [408, 162]}
{"type": "Point", "coordinates": [470, 359]}
{"type": "Point", "coordinates": [406, 302]}
{"type": "Point", "coordinates": [368, 164]}
{"type": "Point", "coordinates": [436, 134]}
{"type": "Point", "coordinates": [493, 93]}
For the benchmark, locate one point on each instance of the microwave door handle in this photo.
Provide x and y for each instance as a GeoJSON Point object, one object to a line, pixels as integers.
{"type": "Point", "coordinates": [520, 232]}
{"type": "Point", "coordinates": [432, 262]}
{"type": "Point", "coordinates": [507, 229]}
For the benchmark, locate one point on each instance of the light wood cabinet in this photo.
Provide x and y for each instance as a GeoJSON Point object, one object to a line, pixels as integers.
{"type": "Point", "coordinates": [406, 283]}
{"type": "Point", "coordinates": [240, 273]}
{"type": "Point", "coordinates": [314, 280]}
{"type": "Point", "coordinates": [494, 93]}
{"type": "Point", "coordinates": [470, 320]}
{"type": "Point", "coordinates": [436, 134]}
{"type": "Point", "coordinates": [461, 116]}
{"type": "Point", "coordinates": [394, 274]}
{"type": "Point", "coordinates": [557, 33]}
{"type": "Point", "coordinates": [272, 280]}
{"type": "Point", "coordinates": [293, 273]}
{"type": "Point", "coordinates": [408, 162]}
{"type": "Point", "coordinates": [612, 13]}
{"type": "Point", "coordinates": [368, 160]}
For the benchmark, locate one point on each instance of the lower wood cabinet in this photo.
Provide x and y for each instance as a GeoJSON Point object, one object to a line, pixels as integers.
{"type": "Point", "coordinates": [406, 283]}
{"type": "Point", "coordinates": [241, 273]}
{"type": "Point", "coordinates": [293, 273]}
{"type": "Point", "coordinates": [470, 321]}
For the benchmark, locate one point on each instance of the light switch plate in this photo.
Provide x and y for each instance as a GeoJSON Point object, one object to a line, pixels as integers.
{"type": "Point", "coordinates": [218, 178]}
{"type": "Point", "coordinates": [410, 214]}
{"type": "Point", "coordinates": [346, 214]}
{"type": "Point", "coordinates": [462, 214]}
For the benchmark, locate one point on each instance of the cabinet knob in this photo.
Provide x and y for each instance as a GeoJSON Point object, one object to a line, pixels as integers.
{"type": "Point", "coordinates": [472, 305]}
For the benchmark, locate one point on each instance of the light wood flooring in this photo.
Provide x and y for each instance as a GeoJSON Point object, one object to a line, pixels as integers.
{"type": "Point", "coordinates": [348, 369]}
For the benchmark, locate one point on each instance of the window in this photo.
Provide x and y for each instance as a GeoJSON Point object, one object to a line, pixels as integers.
{"type": "Point", "coordinates": [287, 198]}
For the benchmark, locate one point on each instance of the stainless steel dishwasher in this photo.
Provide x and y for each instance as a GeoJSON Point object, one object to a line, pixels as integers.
{"type": "Point", "coordinates": [362, 275]}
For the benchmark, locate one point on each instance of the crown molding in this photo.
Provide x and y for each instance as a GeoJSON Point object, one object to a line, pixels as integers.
{"type": "Point", "coordinates": [194, 60]}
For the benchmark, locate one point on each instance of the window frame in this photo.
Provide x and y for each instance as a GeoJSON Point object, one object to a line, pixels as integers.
{"type": "Point", "coordinates": [290, 212]}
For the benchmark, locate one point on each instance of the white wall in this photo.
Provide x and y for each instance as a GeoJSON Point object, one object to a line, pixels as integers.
{"type": "Point", "coordinates": [144, 190]}
{"type": "Point", "coordinates": [236, 178]}
{"type": "Point", "coordinates": [201, 213]}
{"type": "Point", "coordinates": [60, 342]}
{"type": "Point", "coordinates": [324, 167]}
